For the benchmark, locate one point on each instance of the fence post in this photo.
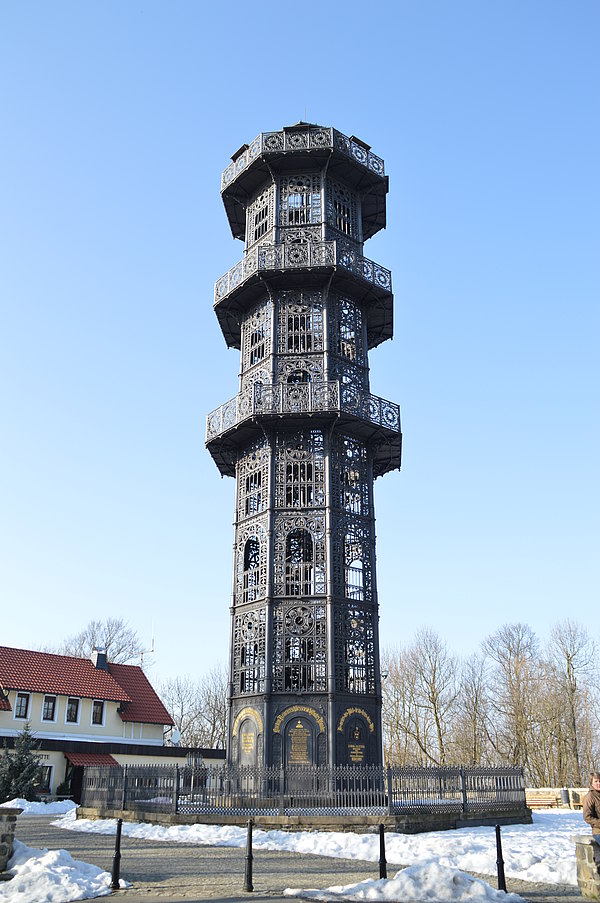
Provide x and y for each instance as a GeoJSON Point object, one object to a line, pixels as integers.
{"type": "Point", "coordinates": [500, 861]}
{"type": "Point", "coordinates": [248, 886]}
{"type": "Point", "coordinates": [382, 860]}
{"type": "Point", "coordinates": [389, 788]}
{"type": "Point", "coordinates": [175, 800]}
{"type": "Point", "coordinates": [116, 866]}
{"type": "Point", "coordinates": [463, 782]}
{"type": "Point", "coordinates": [124, 790]}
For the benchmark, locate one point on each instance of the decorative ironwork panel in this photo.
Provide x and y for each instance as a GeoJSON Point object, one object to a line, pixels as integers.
{"type": "Point", "coordinates": [253, 480]}
{"type": "Point", "coordinates": [299, 647]}
{"type": "Point", "coordinates": [354, 649]}
{"type": "Point", "coordinates": [256, 336]}
{"type": "Point", "coordinates": [352, 565]}
{"type": "Point", "coordinates": [299, 322]}
{"type": "Point", "coordinates": [251, 562]}
{"type": "Point", "coordinates": [249, 651]}
{"type": "Point", "coordinates": [300, 470]}
{"type": "Point", "coordinates": [300, 200]}
{"type": "Point", "coordinates": [297, 372]}
{"type": "Point", "coordinates": [260, 219]}
{"type": "Point", "coordinates": [350, 475]}
{"type": "Point", "coordinates": [293, 575]}
{"type": "Point", "coordinates": [347, 336]}
{"type": "Point", "coordinates": [301, 236]}
{"type": "Point", "coordinates": [342, 209]}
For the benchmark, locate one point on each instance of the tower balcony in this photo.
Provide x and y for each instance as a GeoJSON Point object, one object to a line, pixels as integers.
{"type": "Point", "coordinates": [303, 265]}
{"type": "Point", "coordinates": [367, 417]}
{"type": "Point", "coordinates": [312, 146]}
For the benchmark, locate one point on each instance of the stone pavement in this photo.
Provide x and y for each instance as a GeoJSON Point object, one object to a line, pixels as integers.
{"type": "Point", "coordinates": [188, 873]}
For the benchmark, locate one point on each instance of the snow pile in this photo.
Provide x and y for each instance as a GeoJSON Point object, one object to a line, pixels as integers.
{"type": "Point", "coordinates": [542, 852]}
{"type": "Point", "coordinates": [59, 807]}
{"type": "Point", "coordinates": [52, 876]}
{"type": "Point", "coordinates": [420, 883]}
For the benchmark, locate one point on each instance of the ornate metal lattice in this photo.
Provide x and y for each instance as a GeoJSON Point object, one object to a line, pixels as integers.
{"type": "Point", "coordinates": [342, 209]}
{"type": "Point", "coordinates": [253, 480]}
{"type": "Point", "coordinates": [300, 200]}
{"type": "Point", "coordinates": [354, 648]}
{"type": "Point", "coordinates": [256, 336]}
{"type": "Point", "coordinates": [299, 647]}
{"type": "Point", "coordinates": [301, 575]}
{"type": "Point", "coordinates": [299, 322]}
{"type": "Point", "coordinates": [249, 650]}
{"type": "Point", "coordinates": [300, 470]}
{"type": "Point", "coordinates": [251, 562]}
{"type": "Point", "coordinates": [260, 216]}
{"type": "Point", "coordinates": [350, 475]}
{"type": "Point", "coordinates": [352, 564]}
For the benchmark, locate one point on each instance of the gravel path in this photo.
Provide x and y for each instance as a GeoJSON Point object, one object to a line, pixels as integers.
{"type": "Point", "coordinates": [184, 873]}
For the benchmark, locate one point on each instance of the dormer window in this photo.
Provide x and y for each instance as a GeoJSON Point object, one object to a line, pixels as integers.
{"type": "Point", "coordinates": [49, 708]}
{"type": "Point", "coordinates": [22, 705]}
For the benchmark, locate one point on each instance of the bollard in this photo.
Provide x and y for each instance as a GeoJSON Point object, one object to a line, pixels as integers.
{"type": "Point", "coordinates": [116, 866]}
{"type": "Point", "coordinates": [500, 861]}
{"type": "Point", "coordinates": [382, 862]}
{"type": "Point", "coordinates": [248, 873]}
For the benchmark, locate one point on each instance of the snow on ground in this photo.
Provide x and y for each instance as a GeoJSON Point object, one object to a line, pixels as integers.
{"type": "Point", "coordinates": [52, 876]}
{"type": "Point", "coordinates": [419, 883]}
{"type": "Point", "coordinates": [541, 852]}
{"type": "Point", "coordinates": [57, 808]}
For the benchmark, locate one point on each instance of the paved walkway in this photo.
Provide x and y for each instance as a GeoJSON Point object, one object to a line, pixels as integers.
{"type": "Point", "coordinates": [187, 873]}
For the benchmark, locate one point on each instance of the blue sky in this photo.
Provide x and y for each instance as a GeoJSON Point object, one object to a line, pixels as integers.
{"type": "Point", "coordinates": [117, 120]}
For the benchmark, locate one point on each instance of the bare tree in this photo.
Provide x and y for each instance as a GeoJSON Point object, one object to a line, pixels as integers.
{"type": "Point", "coordinates": [471, 729]}
{"type": "Point", "coordinates": [573, 654]}
{"type": "Point", "coordinates": [118, 639]}
{"type": "Point", "coordinates": [199, 708]}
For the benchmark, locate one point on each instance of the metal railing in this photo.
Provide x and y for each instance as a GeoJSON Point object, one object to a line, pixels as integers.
{"type": "Point", "coordinates": [304, 789]}
{"type": "Point", "coordinates": [302, 398]}
{"type": "Point", "coordinates": [303, 256]}
{"type": "Point", "coordinates": [301, 139]}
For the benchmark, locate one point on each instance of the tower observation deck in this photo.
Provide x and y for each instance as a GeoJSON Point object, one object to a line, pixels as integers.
{"type": "Point", "coordinates": [305, 439]}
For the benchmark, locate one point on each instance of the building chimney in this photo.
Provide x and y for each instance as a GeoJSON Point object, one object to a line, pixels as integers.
{"type": "Point", "coordinates": [99, 659]}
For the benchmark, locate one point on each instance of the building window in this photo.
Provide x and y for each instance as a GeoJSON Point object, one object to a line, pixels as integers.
{"type": "Point", "coordinates": [22, 705]}
{"type": "Point", "coordinates": [72, 716]}
{"type": "Point", "coordinates": [261, 221]}
{"type": "Point", "coordinates": [43, 782]}
{"type": "Point", "coordinates": [257, 345]}
{"type": "Point", "coordinates": [98, 711]}
{"type": "Point", "coordinates": [253, 484]}
{"type": "Point", "coordinates": [49, 708]}
{"type": "Point", "coordinates": [299, 570]}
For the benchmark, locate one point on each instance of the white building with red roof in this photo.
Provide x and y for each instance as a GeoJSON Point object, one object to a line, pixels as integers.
{"type": "Point", "coordinates": [84, 712]}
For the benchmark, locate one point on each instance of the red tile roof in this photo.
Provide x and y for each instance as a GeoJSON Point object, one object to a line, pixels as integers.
{"type": "Point", "coordinates": [145, 707]}
{"type": "Point", "coordinates": [43, 672]}
{"type": "Point", "coordinates": [91, 759]}
{"type": "Point", "coordinates": [5, 705]}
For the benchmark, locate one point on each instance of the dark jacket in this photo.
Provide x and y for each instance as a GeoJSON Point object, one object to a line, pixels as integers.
{"type": "Point", "coordinates": [591, 810]}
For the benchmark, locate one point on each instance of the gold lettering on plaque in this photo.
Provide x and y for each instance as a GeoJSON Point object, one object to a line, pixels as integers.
{"type": "Point", "coordinates": [247, 742]}
{"type": "Point", "coordinates": [357, 752]}
{"type": "Point", "coordinates": [299, 750]}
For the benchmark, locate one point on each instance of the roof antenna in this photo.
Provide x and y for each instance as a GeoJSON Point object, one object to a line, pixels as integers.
{"type": "Point", "coordinates": [149, 651]}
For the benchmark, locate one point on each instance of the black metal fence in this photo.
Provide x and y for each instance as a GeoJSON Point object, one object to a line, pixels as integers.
{"type": "Point", "coordinates": [303, 790]}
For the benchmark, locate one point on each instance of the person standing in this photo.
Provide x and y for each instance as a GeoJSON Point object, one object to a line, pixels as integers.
{"type": "Point", "coordinates": [591, 806]}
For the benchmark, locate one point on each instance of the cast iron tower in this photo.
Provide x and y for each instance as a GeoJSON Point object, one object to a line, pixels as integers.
{"type": "Point", "coordinates": [305, 439]}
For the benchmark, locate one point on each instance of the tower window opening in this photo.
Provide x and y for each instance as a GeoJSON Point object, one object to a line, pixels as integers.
{"type": "Point", "coordinates": [257, 345]}
{"type": "Point", "coordinates": [299, 333]}
{"type": "Point", "coordinates": [261, 222]}
{"type": "Point", "coordinates": [251, 581]}
{"type": "Point", "coordinates": [354, 580]}
{"type": "Point", "coordinates": [298, 376]}
{"type": "Point", "coordinates": [299, 484]}
{"type": "Point", "coordinates": [343, 217]}
{"type": "Point", "coordinates": [253, 493]}
{"type": "Point", "coordinates": [299, 663]}
{"type": "Point", "coordinates": [299, 567]}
